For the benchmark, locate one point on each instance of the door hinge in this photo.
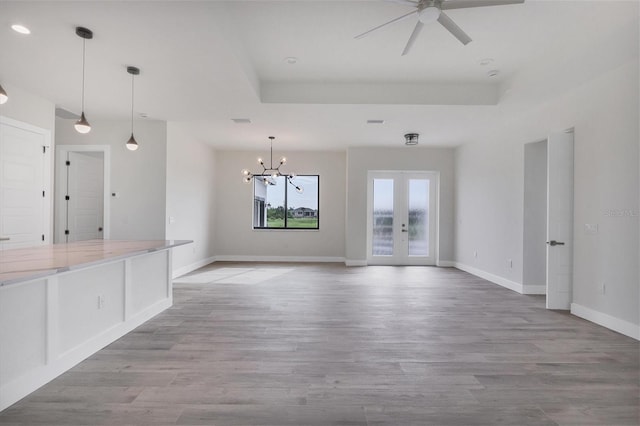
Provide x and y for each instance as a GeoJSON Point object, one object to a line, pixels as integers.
{"type": "Point", "coordinates": [66, 232]}
{"type": "Point", "coordinates": [44, 149]}
{"type": "Point", "coordinates": [66, 197]}
{"type": "Point", "coordinates": [68, 163]}
{"type": "Point", "coordinates": [42, 237]}
{"type": "Point", "coordinates": [42, 194]}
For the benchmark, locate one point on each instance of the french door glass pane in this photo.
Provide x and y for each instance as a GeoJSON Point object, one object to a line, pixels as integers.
{"type": "Point", "coordinates": [382, 217]}
{"type": "Point", "coordinates": [418, 217]}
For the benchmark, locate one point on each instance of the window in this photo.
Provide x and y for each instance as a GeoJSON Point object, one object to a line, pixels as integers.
{"type": "Point", "coordinates": [278, 205]}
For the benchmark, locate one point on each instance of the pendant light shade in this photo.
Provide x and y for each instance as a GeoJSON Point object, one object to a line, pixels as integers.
{"type": "Point", "coordinates": [3, 96]}
{"type": "Point", "coordinates": [82, 125]}
{"type": "Point", "coordinates": [132, 144]}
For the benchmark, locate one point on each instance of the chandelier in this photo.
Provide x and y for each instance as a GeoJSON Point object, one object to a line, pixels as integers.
{"type": "Point", "coordinates": [269, 174]}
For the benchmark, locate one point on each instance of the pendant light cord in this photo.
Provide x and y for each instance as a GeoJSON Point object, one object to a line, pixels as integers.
{"type": "Point", "coordinates": [84, 44]}
{"type": "Point", "coordinates": [132, 98]}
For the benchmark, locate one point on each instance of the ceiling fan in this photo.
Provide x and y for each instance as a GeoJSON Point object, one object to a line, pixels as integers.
{"type": "Point", "coordinates": [429, 11]}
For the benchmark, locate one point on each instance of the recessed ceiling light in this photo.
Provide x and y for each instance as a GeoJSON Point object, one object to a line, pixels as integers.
{"type": "Point", "coordinates": [493, 73]}
{"type": "Point", "coordinates": [20, 29]}
{"type": "Point", "coordinates": [291, 60]}
{"type": "Point", "coordinates": [375, 121]}
{"type": "Point", "coordinates": [241, 120]}
{"type": "Point", "coordinates": [486, 61]}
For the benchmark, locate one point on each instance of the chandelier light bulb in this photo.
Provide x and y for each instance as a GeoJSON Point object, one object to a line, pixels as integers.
{"type": "Point", "coordinates": [274, 174]}
{"type": "Point", "coordinates": [260, 161]}
{"type": "Point", "coordinates": [283, 160]}
{"type": "Point", "coordinates": [299, 189]}
{"type": "Point", "coordinates": [292, 175]}
{"type": "Point", "coordinates": [245, 172]}
{"type": "Point", "coordinates": [247, 179]}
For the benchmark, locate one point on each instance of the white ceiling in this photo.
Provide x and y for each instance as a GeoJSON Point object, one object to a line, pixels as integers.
{"type": "Point", "coordinates": [209, 61]}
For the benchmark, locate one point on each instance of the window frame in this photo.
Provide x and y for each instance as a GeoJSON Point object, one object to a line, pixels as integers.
{"type": "Point", "coordinates": [286, 207]}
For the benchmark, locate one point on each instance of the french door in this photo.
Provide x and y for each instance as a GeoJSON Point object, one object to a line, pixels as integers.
{"type": "Point", "coordinates": [402, 217]}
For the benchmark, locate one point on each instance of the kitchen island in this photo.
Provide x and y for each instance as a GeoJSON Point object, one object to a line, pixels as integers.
{"type": "Point", "coordinates": [61, 303]}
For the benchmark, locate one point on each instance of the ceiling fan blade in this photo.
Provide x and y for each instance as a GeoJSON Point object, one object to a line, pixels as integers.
{"type": "Point", "coordinates": [404, 2]}
{"type": "Point", "coordinates": [414, 36]}
{"type": "Point", "coordinates": [463, 4]}
{"type": "Point", "coordinates": [387, 23]}
{"type": "Point", "coordinates": [453, 28]}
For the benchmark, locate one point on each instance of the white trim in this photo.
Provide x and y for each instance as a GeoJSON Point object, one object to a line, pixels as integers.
{"type": "Point", "coordinates": [355, 262]}
{"type": "Point", "coordinates": [61, 179]}
{"type": "Point", "coordinates": [446, 263]}
{"type": "Point", "coordinates": [192, 267]}
{"type": "Point", "coordinates": [511, 285]}
{"type": "Point", "coordinates": [534, 289]}
{"type": "Point", "coordinates": [616, 324]}
{"type": "Point", "coordinates": [314, 259]}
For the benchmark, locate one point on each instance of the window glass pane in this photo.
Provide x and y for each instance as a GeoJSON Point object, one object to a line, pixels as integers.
{"type": "Point", "coordinates": [302, 207]}
{"type": "Point", "coordinates": [273, 198]}
{"type": "Point", "coordinates": [382, 217]}
{"type": "Point", "coordinates": [268, 202]}
{"type": "Point", "coordinates": [418, 217]}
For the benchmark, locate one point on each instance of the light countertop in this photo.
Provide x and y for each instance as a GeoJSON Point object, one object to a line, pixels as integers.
{"type": "Point", "coordinates": [24, 264]}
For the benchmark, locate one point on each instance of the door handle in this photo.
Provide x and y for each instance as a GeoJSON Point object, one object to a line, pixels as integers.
{"type": "Point", "coordinates": [5, 238]}
{"type": "Point", "coordinates": [405, 230]}
{"type": "Point", "coordinates": [555, 243]}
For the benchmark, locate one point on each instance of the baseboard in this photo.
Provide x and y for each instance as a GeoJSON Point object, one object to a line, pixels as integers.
{"type": "Point", "coordinates": [446, 263]}
{"type": "Point", "coordinates": [606, 320]}
{"type": "Point", "coordinates": [295, 259]}
{"type": "Point", "coordinates": [192, 267]}
{"type": "Point", "coordinates": [355, 262]}
{"type": "Point", "coordinates": [534, 289]}
{"type": "Point", "coordinates": [511, 285]}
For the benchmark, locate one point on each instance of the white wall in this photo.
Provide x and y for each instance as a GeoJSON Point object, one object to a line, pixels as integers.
{"type": "Point", "coordinates": [535, 215]}
{"type": "Point", "coordinates": [489, 201]}
{"type": "Point", "coordinates": [361, 160]}
{"type": "Point", "coordinates": [139, 177]}
{"type": "Point", "coordinates": [190, 198]}
{"type": "Point", "coordinates": [235, 238]}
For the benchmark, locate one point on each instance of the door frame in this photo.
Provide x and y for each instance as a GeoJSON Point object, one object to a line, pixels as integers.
{"type": "Point", "coordinates": [433, 244]}
{"type": "Point", "coordinates": [61, 186]}
{"type": "Point", "coordinates": [47, 174]}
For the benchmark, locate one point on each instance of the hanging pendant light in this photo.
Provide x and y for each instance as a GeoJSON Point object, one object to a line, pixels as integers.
{"type": "Point", "coordinates": [3, 96]}
{"type": "Point", "coordinates": [82, 125]}
{"type": "Point", "coordinates": [132, 145]}
{"type": "Point", "coordinates": [268, 175]}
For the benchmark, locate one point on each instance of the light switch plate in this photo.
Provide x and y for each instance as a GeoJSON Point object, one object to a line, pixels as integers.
{"type": "Point", "coordinates": [590, 228]}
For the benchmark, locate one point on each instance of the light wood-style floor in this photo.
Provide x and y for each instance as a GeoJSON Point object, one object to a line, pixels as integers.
{"type": "Point", "coordinates": [309, 344]}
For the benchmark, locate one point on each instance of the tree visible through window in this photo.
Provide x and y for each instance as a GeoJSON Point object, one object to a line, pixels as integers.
{"type": "Point", "coordinates": [278, 205]}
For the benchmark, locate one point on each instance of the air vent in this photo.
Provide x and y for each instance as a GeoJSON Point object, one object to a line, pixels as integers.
{"type": "Point", "coordinates": [241, 120]}
{"type": "Point", "coordinates": [375, 121]}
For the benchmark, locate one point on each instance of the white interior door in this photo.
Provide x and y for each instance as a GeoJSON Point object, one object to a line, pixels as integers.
{"type": "Point", "coordinates": [85, 192]}
{"type": "Point", "coordinates": [560, 220]}
{"type": "Point", "coordinates": [24, 204]}
{"type": "Point", "coordinates": [402, 218]}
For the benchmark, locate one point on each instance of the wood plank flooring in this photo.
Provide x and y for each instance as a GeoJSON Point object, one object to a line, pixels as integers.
{"type": "Point", "coordinates": [322, 344]}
